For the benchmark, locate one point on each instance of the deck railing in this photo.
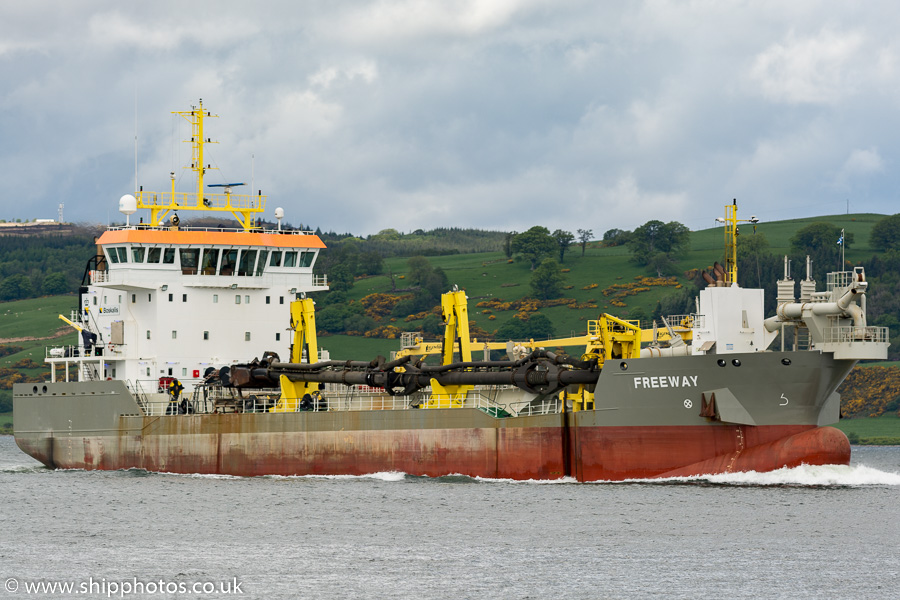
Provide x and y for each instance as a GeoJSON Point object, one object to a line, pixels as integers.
{"type": "Point", "coordinates": [227, 400]}
{"type": "Point", "coordinates": [849, 333]}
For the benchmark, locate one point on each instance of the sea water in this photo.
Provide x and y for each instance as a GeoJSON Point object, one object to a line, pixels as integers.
{"type": "Point", "coordinates": [809, 532]}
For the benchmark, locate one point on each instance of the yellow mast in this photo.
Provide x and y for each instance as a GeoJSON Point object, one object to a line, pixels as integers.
{"type": "Point", "coordinates": [242, 206]}
{"type": "Point", "coordinates": [731, 233]}
{"type": "Point", "coordinates": [195, 118]}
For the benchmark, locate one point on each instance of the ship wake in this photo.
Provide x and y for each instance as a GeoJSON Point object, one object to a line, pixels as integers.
{"type": "Point", "coordinates": [802, 476]}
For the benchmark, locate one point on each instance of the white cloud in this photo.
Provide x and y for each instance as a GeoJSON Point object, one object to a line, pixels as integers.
{"type": "Point", "coordinates": [414, 114]}
{"type": "Point", "coordinates": [863, 162]}
{"type": "Point", "coordinates": [820, 69]}
{"type": "Point", "coordinates": [117, 29]}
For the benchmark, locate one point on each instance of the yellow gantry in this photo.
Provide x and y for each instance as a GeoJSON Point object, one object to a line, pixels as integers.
{"type": "Point", "coordinates": [455, 311]}
{"type": "Point", "coordinates": [607, 338]}
{"type": "Point", "coordinates": [242, 206]}
{"type": "Point", "coordinates": [303, 322]}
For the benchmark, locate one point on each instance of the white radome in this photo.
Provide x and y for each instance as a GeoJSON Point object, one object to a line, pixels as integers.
{"type": "Point", "coordinates": [127, 204]}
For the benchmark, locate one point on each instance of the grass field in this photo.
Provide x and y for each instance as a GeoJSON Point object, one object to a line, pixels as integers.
{"type": "Point", "coordinates": [491, 275]}
{"type": "Point", "coordinates": [880, 431]}
{"type": "Point", "coordinates": [485, 276]}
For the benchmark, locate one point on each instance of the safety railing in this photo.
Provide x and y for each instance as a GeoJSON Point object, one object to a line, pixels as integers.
{"type": "Point", "coordinates": [545, 406]}
{"type": "Point", "coordinates": [205, 400]}
{"type": "Point", "coordinates": [849, 333]}
{"type": "Point", "coordinates": [137, 390]}
{"type": "Point", "coordinates": [99, 276]}
{"type": "Point", "coordinates": [56, 352]}
{"type": "Point", "coordinates": [838, 279]}
{"type": "Point", "coordinates": [221, 229]}
{"type": "Point", "coordinates": [686, 321]}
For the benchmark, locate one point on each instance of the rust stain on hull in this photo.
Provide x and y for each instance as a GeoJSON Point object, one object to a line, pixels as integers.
{"type": "Point", "coordinates": [545, 448]}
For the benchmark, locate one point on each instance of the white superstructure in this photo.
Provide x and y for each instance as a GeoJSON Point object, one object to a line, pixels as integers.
{"type": "Point", "coordinates": [164, 301]}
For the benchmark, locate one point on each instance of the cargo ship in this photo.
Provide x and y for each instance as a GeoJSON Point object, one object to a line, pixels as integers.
{"type": "Point", "coordinates": [169, 318]}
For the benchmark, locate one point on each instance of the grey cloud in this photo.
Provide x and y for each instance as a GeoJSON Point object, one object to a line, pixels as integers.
{"type": "Point", "coordinates": [413, 114]}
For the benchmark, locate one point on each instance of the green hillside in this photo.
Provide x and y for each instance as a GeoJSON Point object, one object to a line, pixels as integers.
{"type": "Point", "coordinates": [490, 275]}
{"type": "Point", "coordinates": [487, 276]}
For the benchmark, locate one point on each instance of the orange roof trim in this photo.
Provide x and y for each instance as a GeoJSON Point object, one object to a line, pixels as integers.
{"type": "Point", "coordinates": [209, 238]}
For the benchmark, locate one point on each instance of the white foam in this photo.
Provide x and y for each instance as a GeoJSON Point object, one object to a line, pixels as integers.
{"type": "Point", "coordinates": [804, 475]}
{"type": "Point", "coordinates": [383, 476]}
{"type": "Point", "coordinates": [527, 481]}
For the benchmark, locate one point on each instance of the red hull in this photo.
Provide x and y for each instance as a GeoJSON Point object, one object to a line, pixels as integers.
{"type": "Point", "coordinates": [587, 453]}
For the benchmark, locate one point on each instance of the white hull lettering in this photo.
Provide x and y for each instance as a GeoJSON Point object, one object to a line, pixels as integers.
{"type": "Point", "coordinates": [667, 381]}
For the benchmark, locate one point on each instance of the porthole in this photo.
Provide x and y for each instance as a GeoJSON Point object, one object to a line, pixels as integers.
{"type": "Point", "coordinates": [44, 389]}
{"type": "Point", "coordinates": [623, 366]}
{"type": "Point", "coordinates": [786, 362]}
{"type": "Point", "coordinates": [736, 362]}
{"type": "Point", "coordinates": [721, 362]}
{"type": "Point", "coordinates": [34, 390]}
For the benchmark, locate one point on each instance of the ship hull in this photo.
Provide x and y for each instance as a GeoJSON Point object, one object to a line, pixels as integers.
{"type": "Point", "coordinates": [99, 425]}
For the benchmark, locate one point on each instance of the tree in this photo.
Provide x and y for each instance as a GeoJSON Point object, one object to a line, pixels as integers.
{"type": "Point", "coordinates": [819, 241]}
{"type": "Point", "coordinates": [507, 244]}
{"type": "Point", "coordinates": [16, 287]}
{"type": "Point", "coordinates": [370, 263]}
{"type": "Point", "coordinates": [547, 281]}
{"type": "Point", "coordinates": [432, 324]}
{"type": "Point", "coordinates": [534, 244]}
{"type": "Point", "coordinates": [340, 277]}
{"type": "Point", "coordinates": [563, 239]}
{"type": "Point", "coordinates": [886, 233]}
{"type": "Point", "coordinates": [55, 284]}
{"type": "Point", "coordinates": [584, 236]}
{"type": "Point", "coordinates": [419, 269]}
{"type": "Point", "coordinates": [616, 237]}
{"type": "Point", "coordinates": [536, 326]}
{"type": "Point", "coordinates": [663, 264]}
{"type": "Point", "coordinates": [655, 237]}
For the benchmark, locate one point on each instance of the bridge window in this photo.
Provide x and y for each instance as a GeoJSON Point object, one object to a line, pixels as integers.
{"type": "Point", "coordinates": [290, 259]}
{"type": "Point", "coordinates": [306, 258]}
{"type": "Point", "coordinates": [153, 255]}
{"type": "Point", "coordinates": [190, 258]}
{"type": "Point", "coordinates": [210, 261]}
{"type": "Point", "coordinates": [137, 255]}
{"type": "Point", "coordinates": [261, 265]}
{"type": "Point", "coordinates": [169, 256]}
{"type": "Point", "coordinates": [123, 255]}
{"type": "Point", "coordinates": [248, 261]}
{"type": "Point", "coordinates": [229, 261]}
{"type": "Point", "coordinates": [113, 255]}
{"type": "Point", "coordinates": [275, 261]}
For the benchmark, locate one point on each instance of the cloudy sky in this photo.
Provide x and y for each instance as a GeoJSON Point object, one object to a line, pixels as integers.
{"type": "Point", "coordinates": [498, 114]}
